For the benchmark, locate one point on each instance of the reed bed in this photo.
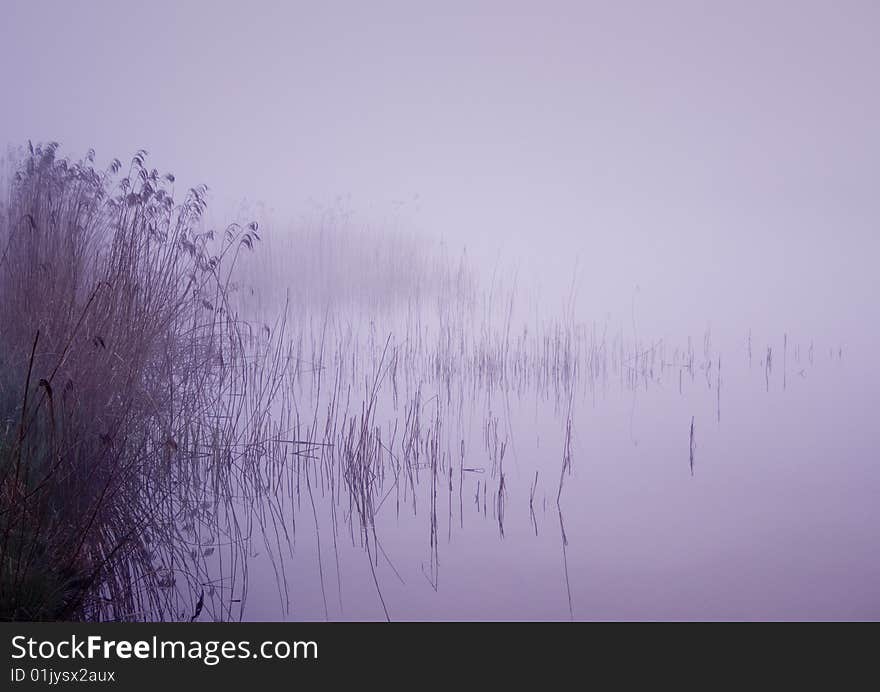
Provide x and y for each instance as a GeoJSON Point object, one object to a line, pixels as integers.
{"type": "Point", "coordinates": [131, 404]}
{"type": "Point", "coordinates": [170, 399]}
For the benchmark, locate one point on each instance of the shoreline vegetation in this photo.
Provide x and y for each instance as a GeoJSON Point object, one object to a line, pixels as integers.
{"type": "Point", "coordinates": [176, 401]}
{"type": "Point", "coordinates": [144, 421]}
{"type": "Point", "coordinates": [126, 391]}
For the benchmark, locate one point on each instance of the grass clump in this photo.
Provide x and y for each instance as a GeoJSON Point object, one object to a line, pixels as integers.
{"type": "Point", "coordinates": [126, 394]}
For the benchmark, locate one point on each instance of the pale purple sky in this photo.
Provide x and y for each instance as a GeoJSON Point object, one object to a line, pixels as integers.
{"type": "Point", "coordinates": [722, 156]}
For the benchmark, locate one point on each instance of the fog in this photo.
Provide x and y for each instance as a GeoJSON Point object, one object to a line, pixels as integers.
{"type": "Point", "coordinates": [722, 160]}
{"type": "Point", "coordinates": [666, 191]}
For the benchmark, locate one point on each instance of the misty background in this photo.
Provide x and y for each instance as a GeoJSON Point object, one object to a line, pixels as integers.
{"type": "Point", "coordinates": [697, 164]}
{"type": "Point", "coordinates": [654, 398]}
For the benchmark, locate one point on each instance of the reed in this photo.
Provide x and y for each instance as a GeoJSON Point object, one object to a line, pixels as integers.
{"type": "Point", "coordinates": [692, 447]}
{"type": "Point", "coordinates": [159, 414]}
{"type": "Point", "coordinates": [132, 402]}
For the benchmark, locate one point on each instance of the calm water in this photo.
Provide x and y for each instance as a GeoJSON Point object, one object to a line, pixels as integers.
{"type": "Point", "coordinates": [776, 519]}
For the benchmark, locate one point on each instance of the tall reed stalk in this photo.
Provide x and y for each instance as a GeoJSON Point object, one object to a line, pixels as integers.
{"type": "Point", "coordinates": [128, 396]}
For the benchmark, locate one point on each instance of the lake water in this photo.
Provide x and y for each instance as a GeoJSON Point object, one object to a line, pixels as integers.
{"type": "Point", "coordinates": [768, 512]}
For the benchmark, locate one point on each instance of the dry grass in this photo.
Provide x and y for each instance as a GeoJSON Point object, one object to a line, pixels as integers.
{"type": "Point", "coordinates": [126, 393]}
